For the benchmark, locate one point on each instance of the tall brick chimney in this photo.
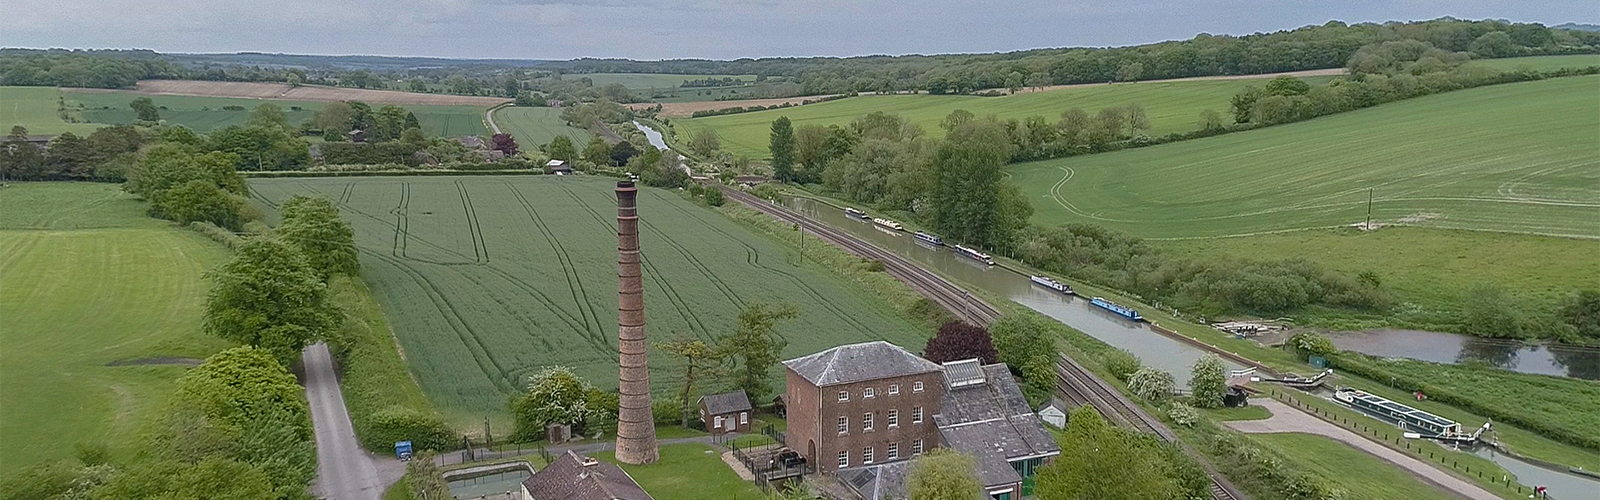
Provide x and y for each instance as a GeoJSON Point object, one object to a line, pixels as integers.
{"type": "Point", "coordinates": [636, 431]}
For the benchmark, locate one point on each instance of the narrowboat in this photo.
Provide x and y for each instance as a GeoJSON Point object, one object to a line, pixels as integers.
{"type": "Point", "coordinates": [1409, 419]}
{"type": "Point", "coordinates": [1046, 282]}
{"type": "Point", "coordinates": [931, 239]}
{"type": "Point", "coordinates": [888, 224]}
{"type": "Point", "coordinates": [1119, 309]}
{"type": "Point", "coordinates": [855, 214]}
{"type": "Point", "coordinates": [974, 255]}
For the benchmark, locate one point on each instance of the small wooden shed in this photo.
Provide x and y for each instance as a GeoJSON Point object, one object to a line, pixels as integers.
{"type": "Point", "coordinates": [725, 413]}
{"type": "Point", "coordinates": [1054, 412]}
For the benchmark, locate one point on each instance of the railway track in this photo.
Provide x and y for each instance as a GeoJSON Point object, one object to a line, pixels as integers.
{"type": "Point", "coordinates": [954, 299]}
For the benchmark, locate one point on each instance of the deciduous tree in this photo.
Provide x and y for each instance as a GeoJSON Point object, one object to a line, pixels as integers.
{"type": "Point", "coordinates": [1208, 382]}
{"type": "Point", "coordinates": [781, 144]}
{"type": "Point", "coordinates": [200, 201]}
{"type": "Point", "coordinates": [145, 109]}
{"type": "Point", "coordinates": [554, 396]}
{"type": "Point", "coordinates": [504, 143]}
{"type": "Point", "coordinates": [269, 296]}
{"type": "Point", "coordinates": [314, 227]}
{"type": "Point", "coordinates": [1102, 463]}
{"type": "Point", "coordinates": [957, 341]}
{"type": "Point", "coordinates": [698, 358]}
{"type": "Point", "coordinates": [561, 148]}
{"type": "Point", "coordinates": [943, 474]}
{"type": "Point", "coordinates": [754, 347]}
{"type": "Point", "coordinates": [1152, 384]}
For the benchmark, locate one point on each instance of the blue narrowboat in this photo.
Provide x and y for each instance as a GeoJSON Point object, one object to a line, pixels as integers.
{"type": "Point", "coordinates": [1119, 309]}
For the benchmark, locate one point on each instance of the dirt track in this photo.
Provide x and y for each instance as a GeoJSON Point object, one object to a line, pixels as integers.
{"type": "Point", "coordinates": [253, 90]}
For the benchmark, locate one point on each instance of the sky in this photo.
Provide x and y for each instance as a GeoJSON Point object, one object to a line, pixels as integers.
{"type": "Point", "coordinates": [713, 29]}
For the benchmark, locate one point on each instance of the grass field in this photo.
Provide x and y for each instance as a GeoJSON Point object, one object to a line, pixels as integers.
{"type": "Point", "coordinates": [688, 471]}
{"type": "Point", "coordinates": [486, 280]}
{"type": "Point", "coordinates": [1515, 158]}
{"type": "Point", "coordinates": [1541, 63]}
{"type": "Point", "coordinates": [533, 127]}
{"type": "Point", "coordinates": [35, 108]}
{"type": "Point", "coordinates": [1365, 476]}
{"type": "Point", "coordinates": [204, 114]}
{"type": "Point", "coordinates": [1171, 106]}
{"type": "Point", "coordinates": [640, 81]}
{"type": "Point", "coordinates": [74, 301]}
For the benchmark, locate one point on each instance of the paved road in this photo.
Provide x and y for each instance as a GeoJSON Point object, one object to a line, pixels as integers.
{"type": "Point", "coordinates": [483, 454]}
{"type": "Point", "coordinates": [488, 117]}
{"type": "Point", "coordinates": [1286, 418]}
{"type": "Point", "coordinates": [344, 470]}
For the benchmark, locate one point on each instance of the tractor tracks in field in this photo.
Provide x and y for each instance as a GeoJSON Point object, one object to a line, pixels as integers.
{"type": "Point", "coordinates": [480, 248]}
{"type": "Point", "coordinates": [580, 294]}
{"type": "Point", "coordinates": [469, 337]}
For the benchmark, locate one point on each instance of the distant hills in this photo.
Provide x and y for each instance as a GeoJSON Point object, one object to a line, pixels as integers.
{"type": "Point", "coordinates": [1577, 27]}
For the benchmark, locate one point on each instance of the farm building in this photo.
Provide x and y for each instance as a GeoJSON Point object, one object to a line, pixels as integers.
{"type": "Point", "coordinates": [471, 142]}
{"type": "Point", "coordinates": [862, 410]}
{"type": "Point", "coordinates": [726, 413]}
{"type": "Point", "coordinates": [576, 477]}
{"type": "Point", "coordinates": [1053, 412]}
{"type": "Point", "coordinates": [557, 167]}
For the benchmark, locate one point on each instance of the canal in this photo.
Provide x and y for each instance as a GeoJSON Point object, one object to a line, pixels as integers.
{"type": "Point", "coordinates": [1547, 359]}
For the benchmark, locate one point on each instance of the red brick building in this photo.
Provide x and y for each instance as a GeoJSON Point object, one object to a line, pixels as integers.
{"type": "Point", "coordinates": [726, 413]}
{"type": "Point", "coordinates": [861, 404]}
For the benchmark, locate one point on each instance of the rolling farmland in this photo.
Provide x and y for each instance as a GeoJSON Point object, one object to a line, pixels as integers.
{"type": "Point", "coordinates": [640, 81]}
{"type": "Point", "coordinates": [1513, 158]}
{"type": "Point", "coordinates": [35, 108]}
{"type": "Point", "coordinates": [1172, 107]}
{"type": "Point", "coordinates": [205, 114]}
{"type": "Point", "coordinates": [488, 279]}
{"type": "Point", "coordinates": [536, 126]}
{"type": "Point", "coordinates": [1541, 63]}
{"type": "Point", "coordinates": [102, 306]}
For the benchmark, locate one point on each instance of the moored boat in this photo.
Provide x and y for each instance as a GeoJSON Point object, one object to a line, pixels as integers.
{"type": "Point", "coordinates": [1119, 309]}
{"type": "Point", "coordinates": [931, 239]}
{"type": "Point", "coordinates": [1046, 282]}
{"type": "Point", "coordinates": [974, 255]}
{"type": "Point", "coordinates": [855, 214]}
{"type": "Point", "coordinates": [888, 224]}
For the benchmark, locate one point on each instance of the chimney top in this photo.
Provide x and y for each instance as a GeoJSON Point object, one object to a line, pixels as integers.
{"type": "Point", "coordinates": [624, 184]}
{"type": "Point", "coordinates": [590, 462]}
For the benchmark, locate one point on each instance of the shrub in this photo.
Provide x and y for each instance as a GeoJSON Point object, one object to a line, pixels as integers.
{"type": "Point", "coordinates": [1183, 414]}
{"type": "Point", "coordinates": [399, 423]}
{"type": "Point", "coordinates": [199, 201]}
{"type": "Point", "coordinates": [1152, 384]}
{"type": "Point", "coordinates": [1121, 363]}
{"type": "Point", "coordinates": [714, 197]}
{"type": "Point", "coordinates": [1208, 382]}
{"type": "Point", "coordinates": [1307, 344]}
{"type": "Point", "coordinates": [666, 412]}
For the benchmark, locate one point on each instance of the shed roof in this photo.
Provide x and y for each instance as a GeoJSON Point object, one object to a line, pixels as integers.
{"type": "Point", "coordinates": [576, 477]}
{"type": "Point", "coordinates": [857, 362]}
{"type": "Point", "coordinates": [993, 422]}
{"type": "Point", "coordinates": [727, 402]}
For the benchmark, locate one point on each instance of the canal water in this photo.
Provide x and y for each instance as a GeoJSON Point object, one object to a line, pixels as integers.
{"type": "Point", "coordinates": [651, 135]}
{"type": "Point", "coordinates": [1153, 349]}
{"type": "Point", "coordinates": [1560, 485]}
{"type": "Point", "coordinates": [1559, 360]}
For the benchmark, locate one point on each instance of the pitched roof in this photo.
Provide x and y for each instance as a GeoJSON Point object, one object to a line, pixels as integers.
{"type": "Point", "coordinates": [858, 362]}
{"type": "Point", "coordinates": [576, 477]}
{"type": "Point", "coordinates": [993, 422]}
{"type": "Point", "coordinates": [879, 482]}
{"type": "Point", "coordinates": [727, 402]}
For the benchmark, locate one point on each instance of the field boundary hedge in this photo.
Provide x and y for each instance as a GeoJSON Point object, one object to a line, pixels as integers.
{"type": "Point", "coordinates": [385, 173]}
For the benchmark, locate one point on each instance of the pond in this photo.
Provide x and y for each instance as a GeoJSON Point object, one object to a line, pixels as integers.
{"type": "Point", "coordinates": [1547, 359]}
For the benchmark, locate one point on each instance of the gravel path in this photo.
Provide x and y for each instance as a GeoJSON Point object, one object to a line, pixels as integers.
{"type": "Point", "coordinates": [1286, 418]}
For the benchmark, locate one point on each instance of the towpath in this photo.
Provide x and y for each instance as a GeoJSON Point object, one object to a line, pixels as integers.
{"type": "Point", "coordinates": [1286, 418]}
{"type": "Point", "coordinates": [344, 470]}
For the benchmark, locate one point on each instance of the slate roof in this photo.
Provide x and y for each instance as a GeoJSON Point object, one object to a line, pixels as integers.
{"type": "Point", "coordinates": [992, 422]}
{"type": "Point", "coordinates": [575, 477]}
{"type": "Point", "coordinates": [879, 482]}
{"type": "Point", "coordinates": [858, 362]}
{"type": "Point", "coordinates": [727, 402]}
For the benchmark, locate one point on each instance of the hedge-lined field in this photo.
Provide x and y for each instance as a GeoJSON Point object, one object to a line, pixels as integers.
{"type": "Point", "coordinates": [534, 127]}
{"type": "Point", "coordinates": [35, 108]}
{"type": "Point", "coordinates": [122, 288]}
{"type": "Point", "coordinates": [1541, 63]}
{"type": "Point", "coordinates": [488, 279]}
{"type": "Point", "coordinates": [1514, 158]}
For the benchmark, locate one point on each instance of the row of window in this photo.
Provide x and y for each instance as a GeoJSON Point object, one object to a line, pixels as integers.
{"type": "Point", "coordinates": [869, 393]}
{"type": "Point", "coordinates": [866, 453]}
{"type": "Point", "coordinates": [866, 420]}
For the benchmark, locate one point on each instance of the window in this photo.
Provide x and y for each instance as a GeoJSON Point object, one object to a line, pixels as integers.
{"type": "Point", "coordinates": [916, 415]}
{"type": "Point", "coordinates": [894, 418]}
{"type": "Point", "coordinates": [894, 451]}
{"type": "Point", "coordinates": [916, 447]}
{"type": "Point", "coordinates": [894, 389]}
{"type": "Point", "coordinates": [744, 417]}
{"type": "Point", "coordinates": [866, 421]}
{"type": "Point", "coordinates": [844, 459]}
{"type": "Point", "coordinates": [844, 425]}
{"type": "Point", "coordinates": [844, 395]}
{"type": "Point", "coordinates": [867, 393]}
{"type": "Point", "coordinates": [717, 424]}
{"type": "Point", "coordinates": [866, 455]}
{"type": "Point", "coordinates": [916, 386]}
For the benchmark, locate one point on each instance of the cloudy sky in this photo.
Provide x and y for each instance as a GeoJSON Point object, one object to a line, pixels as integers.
{"type": "Point", "coordinates": [720, 29]}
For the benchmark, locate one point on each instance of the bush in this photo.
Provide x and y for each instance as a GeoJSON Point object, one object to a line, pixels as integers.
{"type": "Point", "coordinates": [1208, 382]}
{"type": "Point", "coordinates": [1121, 363]}
{"type": "Point", "coordinates": [1183, 414]}
{"type": "Point", "coordinates": [667, 412]}
{"type": "Point", "coordinates": [715, 198]}
{"type": "Point", "coordinates": [1308, 344]}
{"type": "Point", "coordinates": [199, 201]}
{"type": "Point", "coordinates": [379, 431]}
{"type": "Point", "coordinates": [1155, 386]}
{"type": "Point", "coordinates": [217, 234]}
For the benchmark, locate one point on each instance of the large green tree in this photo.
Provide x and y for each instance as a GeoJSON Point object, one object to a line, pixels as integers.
{"type": "Point", "coordinates": [554, 396]}
{"type": "Point", "coordinates": [943, 474]}
{"type": "Point", "coordinates": [698, 359]}
{"type": "Point", "coordinates": [269, 296]}
{"type": "Point", "coordinates": [781, 144]}
{"type": "Point", "coordinates": [561, 148]}
{"type": "Point", "coordinates": [145, 109]}
{"type": "Point", "coordinates": [1100, 462]}
{"type": "Point", "coordinates": [314, 227]}
{"type": "Point", "coordinates": [1208, 382]}
{"type": "Point", "coordinates": [753, 347]}
{"type": "Point", "coordinates": [200, 201]}
{"type": "Point", "coordinates": [967, 186]}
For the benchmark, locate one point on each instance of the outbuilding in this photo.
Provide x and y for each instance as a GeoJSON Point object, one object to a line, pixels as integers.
{"type": "Point", "coordinates": [1054, 413]}
{"type": "Point", "coordinates": [725, 413]}
{"type": "Point", "coordinates": [558, 167]}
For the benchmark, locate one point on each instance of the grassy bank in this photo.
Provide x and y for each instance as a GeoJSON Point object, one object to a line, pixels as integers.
{"type": "Point", "coordinates": [1365, 476]}
{"type": "Point", "coordinates": [373, 369]}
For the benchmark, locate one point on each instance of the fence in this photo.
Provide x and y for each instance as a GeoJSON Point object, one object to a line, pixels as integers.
{"type": "Point", "coordinates": [1398, 442]}
{"type": "Point", "coordinates": [763, 461]}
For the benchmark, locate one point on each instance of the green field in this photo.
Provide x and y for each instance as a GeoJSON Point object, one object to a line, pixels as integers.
{"type": "Point", "coordinates": [533, 127]}
{"type": "Point", "coordinates": [1365, 476]}
{"type": "Point", "coordinates": [75, 300]}
{"type": "Point", "coordinates": [1171, 106]}
{"type": "Point", "coordinates": [688, 471]}
{"type": "Point", "coordinates": [35, 108]}
{"type": "Point", "coordinates": [641, 81]}
{"type": "Point", "coordinates": [1541, 63]}
{"type": "Point", "coordinates": [486, 280]}
{"type": "Point", "coordinates": [1513, 158]}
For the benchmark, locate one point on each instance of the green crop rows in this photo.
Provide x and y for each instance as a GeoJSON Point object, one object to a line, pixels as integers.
{"type": "Point", "coordinates": [533, 127]}
{"type": "Point", "coordinates": [488, 279]}
{"type": "Point", "coordinates": [1513, 158]}
{"type": "Point", "coordinates": [1541, 63]}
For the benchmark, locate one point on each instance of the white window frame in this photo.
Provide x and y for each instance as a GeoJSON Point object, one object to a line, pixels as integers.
{"type": "Point", "coordinates": [844, 425]}
{"type": "Point", "coordinates": [744, 417]}
{"type": "Point", "coordinates": [894, 450]}
{"type": "Point", "coordinates": [916, 415]}
{"type": "Point", "coordinates": [866, 422]}
{"type": "Point", "coordinates": [868, 393]}
{"type": "Point", "coordinates": [916, 386]}
{"type": "Point", "coordinates": [894, 417]}
{"type": "Point", "coordinates": [894, 389]}
{"type": "Point", "coordinates": [844, 459]}
{"type": "Point", "coordinates": [844, 396]}
{"type": "Point", "coordinates": [866, 456]}
{"type": "Point", "coordinates": [916, 447]}
{"type": "Point", "coordinates": [716, 422]}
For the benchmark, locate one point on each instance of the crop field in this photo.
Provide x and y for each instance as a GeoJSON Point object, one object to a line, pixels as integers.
{"type": "Point", "coordinates": [537, 126]}
{"type": "Point", "coordinates": [35, 108]}
{"type": "Point", "coordinates": [1171, 106]}
{"type": "Point", "coordinates": [205, 114]}
{"type": "Point", "coordinates": [1541, 63]}
{"type": "Point", "coordinates": [97, 322]}
{"type": "Point", "coordinates": [641, 81]}
{"type": "Point", "coordinates": [1511, 158]}
{"type": "Point", "coordinates": [486, 280]}
{"type": "Point", "coordinates": [258, 90]}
